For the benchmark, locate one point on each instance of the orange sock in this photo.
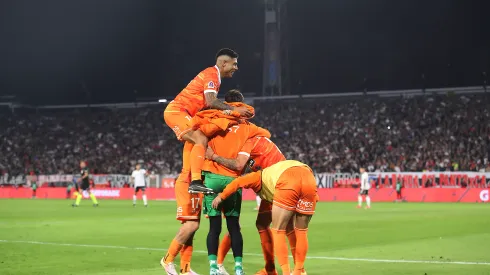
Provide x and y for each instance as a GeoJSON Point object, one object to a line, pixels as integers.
{"type": "Point", "coordinates": [281, 249]}
{"type": "Point", "coordinates": [292, 244]}
{"type": "Point", "coordinates": [267, 249]}
{"type": "Point", "coordinates": [301, 250]}
{"type": "Point", "coordinates": [173, 251]}
{"type": "Point", "coordinates": [185, 258]}
{"type": "Point", "coordinates": [185, 174]}
{"type": "Point", "coordinates": [198, 154]}
{"type": "Point", "coordinates": [223, 248]}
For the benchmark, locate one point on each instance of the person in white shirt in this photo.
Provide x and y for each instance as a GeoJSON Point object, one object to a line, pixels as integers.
{"type": "Point", "coordinates": [365, 186]}
{"type": "Point", "coordinates": [138, 179]}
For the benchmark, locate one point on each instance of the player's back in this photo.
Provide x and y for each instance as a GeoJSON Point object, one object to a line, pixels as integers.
{"type": "Point", "coordinates": [271, 175]}
{"type": "Point", "coordinates": [228, 145]}
{"type": "Point", "coordinates": [191, 98]}
{"type": "Point", "coordinates": [265, 152]}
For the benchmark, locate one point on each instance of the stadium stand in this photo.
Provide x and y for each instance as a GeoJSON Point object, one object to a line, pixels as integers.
{"type": "Point", "coordinates": [434, 133]}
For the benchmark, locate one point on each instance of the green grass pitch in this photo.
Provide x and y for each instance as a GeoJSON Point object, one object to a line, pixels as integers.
{"type": "Point", "coordinates": [50, 237]}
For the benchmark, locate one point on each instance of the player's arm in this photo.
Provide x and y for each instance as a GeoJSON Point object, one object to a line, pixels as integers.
{"type": "Point", "coordinates": [250, 181]}
{"type": "Point", "coordinates": [213, 102]}
{"type": "Point", "coordinates": [235, 164]}
{"type": "Point", "coordinates": [85, 174]}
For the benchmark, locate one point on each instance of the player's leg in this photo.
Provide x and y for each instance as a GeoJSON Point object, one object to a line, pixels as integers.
{"type": "Point", "coordinates": [77, 194]}
{"type": "Point", "coordinates": [180, 122]}
{"type": "Point", "coordinates": [223, 249]}
{"type": "Point", "coordinates": [230, 208]}
{"type": "Point", "coordinates": [145, 199]}
{"type": "Point", "coordinates": [236, 242]}
{"type": "Point", "coordinates": [359, 199]}
{"type": "Point", "coordinates": [264, 219]}
{"type": "Point", "coordinates": [186, 256]}
{"type": "Point", "coordinates": [197, 157]}
{"type": "Point", "coordinates": [92, 197]}
{"type": "Point", "coordinates": [301, 232]}
{"type": "Point", "coordinates": [280, 219]}
{"type": "Point", "coordinates": [135, 195]}
{"type": "Point", "coordinates": [290, 234]}
{"type": "Point", "coordinates": [188, 212]}
{"type": "Point", "coordinates": [305, 208]}
{"type": "Point", "coordinates": [257, 200]}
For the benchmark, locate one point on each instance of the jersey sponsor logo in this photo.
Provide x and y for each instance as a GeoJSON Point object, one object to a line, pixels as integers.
{"type": "Point", "coordinates": [304, 205]}
{"type": "Point", "coordinates": [211, 85]}
{"type": "Point", "coordinates": [484, 195]}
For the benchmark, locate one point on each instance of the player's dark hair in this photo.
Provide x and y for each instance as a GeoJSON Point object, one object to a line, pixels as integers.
{"type": "Point", "coordinates": [234, 95]}
{"type": "Point", "coordinates": [228, 52]}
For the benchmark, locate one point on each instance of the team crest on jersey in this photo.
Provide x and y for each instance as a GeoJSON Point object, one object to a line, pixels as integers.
{"type": "Point", "coordinates": [211, 85]}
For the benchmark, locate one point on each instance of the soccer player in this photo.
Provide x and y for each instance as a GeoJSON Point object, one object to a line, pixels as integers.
{"type": "Point", "coordinates": [291, 187]}
{"type": "Point", "coordinates": [138, 178]}
{"type": "Point", "coordinates": [85, 185]}
{"type": "Point", "coordinates": [228, 144]}
{"type": "Point", "coordinates": [364, 190]}
{"type": "Point", "coordinates": [264, 153]}
{"type": "Point", "coordinates": [200, 92]}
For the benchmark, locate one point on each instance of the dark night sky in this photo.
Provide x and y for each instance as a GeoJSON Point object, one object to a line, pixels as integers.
{"type": "Point", "coordinates": [54, 51]}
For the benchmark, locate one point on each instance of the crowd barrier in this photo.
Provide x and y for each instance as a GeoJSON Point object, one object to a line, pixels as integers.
{"type": "Point", "coordinates": [334, 194]}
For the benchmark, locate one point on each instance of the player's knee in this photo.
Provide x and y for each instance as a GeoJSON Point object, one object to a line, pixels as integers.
{"type": "Point", "coordinates": [215, 225]}
{"type": "Point", "coordinates": [262, 224]}
{"type": "Point", "coordinates": [199, 138]}
{"type": "Point", "coordinates": [190, 227]}
{"type": "Point", "coordinates": [233, 225]}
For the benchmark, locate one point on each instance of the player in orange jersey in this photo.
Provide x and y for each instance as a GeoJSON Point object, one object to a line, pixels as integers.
{"type": "Point", "coordinates": [264, 153]}
{"type": "Point", "coordinates": [201, 92]}
{"type": "Point", "coordinates": [291, 187]}
{"type": "Point", "coordinates": [228, 144]}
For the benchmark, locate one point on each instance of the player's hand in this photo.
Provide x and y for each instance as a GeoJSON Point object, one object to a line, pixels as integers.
{"type": "Point", "coordinates": [209, 153]}
{"type": "Point", "coordinates": [216, 202]}
{"type": "Point", "coordinates": [243, 111]}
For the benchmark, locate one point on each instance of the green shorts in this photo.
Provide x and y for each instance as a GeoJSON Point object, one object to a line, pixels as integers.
{"type": "Point", "coordinates": [230, 207]}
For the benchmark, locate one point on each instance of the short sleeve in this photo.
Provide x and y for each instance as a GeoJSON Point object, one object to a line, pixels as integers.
{"type": "Point", "coordinates": [211, 82]}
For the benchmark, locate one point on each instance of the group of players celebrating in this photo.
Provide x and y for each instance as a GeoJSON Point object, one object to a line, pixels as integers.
{"type": "Point", "coordinates": [223, 153]}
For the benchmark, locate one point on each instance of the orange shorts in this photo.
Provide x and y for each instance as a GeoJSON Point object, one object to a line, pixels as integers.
{"type": "Point", "coordinates": [188, 205]}
{"type": "Point", "coordinates": [178, 120]}
{"type": "Point", "coordinates": [296, 190]}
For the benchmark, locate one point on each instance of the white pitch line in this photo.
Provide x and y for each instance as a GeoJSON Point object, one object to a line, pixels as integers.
{"type": "Point", "coordinates": [254, 254]}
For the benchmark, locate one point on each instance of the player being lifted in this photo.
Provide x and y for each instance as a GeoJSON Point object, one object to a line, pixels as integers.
{"type": "Point", "coordinates": [364, 191]}
{"type": "Point", "coordinates": [138, 179]}
{"type": "Point", "coordinates": [201, 92]}
{"type": "Point", "coordinates": [291, 187]}
{"type": "Point", "coordinates": [84, 185]}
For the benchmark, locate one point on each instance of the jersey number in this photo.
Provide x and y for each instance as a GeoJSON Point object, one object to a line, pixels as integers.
{"type": "Point", "coordinates": [188, 118]}
{"type": "Point", "coordinates": [195, 202]}
{"type": "Point", "coordinates": [233, 128]}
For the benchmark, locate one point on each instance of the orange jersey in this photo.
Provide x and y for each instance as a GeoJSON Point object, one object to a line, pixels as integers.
{"type": "Point", "coordinates": [264, 152]}
{"type": "Point", "coordinates": [191, 98]}
{"type": "Point", "coordinates": [229, 144]}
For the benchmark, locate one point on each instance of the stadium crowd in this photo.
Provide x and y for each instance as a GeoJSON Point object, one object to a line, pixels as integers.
{"type": "Point", "coordinates": [435, 133]}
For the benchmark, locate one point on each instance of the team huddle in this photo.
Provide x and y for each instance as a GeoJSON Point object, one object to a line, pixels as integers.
{"type": "Point", "coordinates": [223, 153]}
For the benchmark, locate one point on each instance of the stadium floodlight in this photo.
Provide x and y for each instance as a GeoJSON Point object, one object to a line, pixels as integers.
{"type": "Point", "coordinates": [162, 100]}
